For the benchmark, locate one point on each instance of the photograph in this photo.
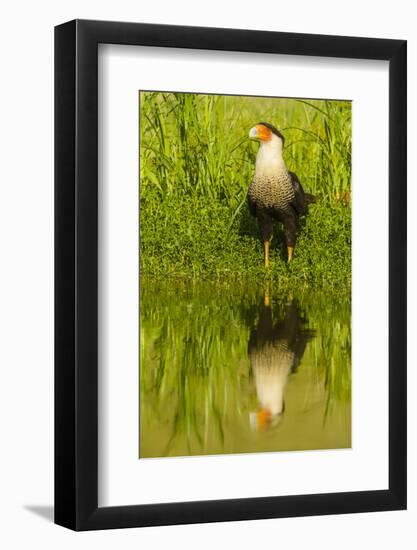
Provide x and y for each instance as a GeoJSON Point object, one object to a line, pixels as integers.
{"type": "Point", "coordinates": [245, 214]}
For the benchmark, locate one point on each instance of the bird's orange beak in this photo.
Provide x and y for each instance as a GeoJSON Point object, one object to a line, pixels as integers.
{"type": "Point", "coordinates": [260, 132]}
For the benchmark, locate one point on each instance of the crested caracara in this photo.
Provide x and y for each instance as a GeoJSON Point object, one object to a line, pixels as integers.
{"type": "Point", "coordinates": [275, 349]}
{"type": "Point", "coordinates": [275, 192]}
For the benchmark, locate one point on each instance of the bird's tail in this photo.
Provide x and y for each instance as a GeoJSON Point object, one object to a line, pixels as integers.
{"type": "Point", "coordinates": [309, 198]}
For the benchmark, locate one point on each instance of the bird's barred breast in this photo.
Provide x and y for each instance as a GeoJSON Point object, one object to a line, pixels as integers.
{"type": "Point", "coordinates": [272, 356]}
{"type": "Point", "coordinates": [272, 191]}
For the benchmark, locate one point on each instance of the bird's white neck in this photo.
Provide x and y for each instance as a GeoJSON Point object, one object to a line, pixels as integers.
{"type": "Point", "coordinates": [269, 160]}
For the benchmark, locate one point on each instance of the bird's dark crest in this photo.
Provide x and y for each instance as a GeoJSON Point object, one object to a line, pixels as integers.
{"type": "Point", "coordinates": [273, 130]}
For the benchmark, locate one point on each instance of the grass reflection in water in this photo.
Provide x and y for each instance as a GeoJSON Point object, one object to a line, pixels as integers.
{"type": "Point", "coordinates": [227, 368]}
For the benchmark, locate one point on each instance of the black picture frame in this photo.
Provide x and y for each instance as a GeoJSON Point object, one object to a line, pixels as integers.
{"type": "Point", "coordinates": [76, 273]}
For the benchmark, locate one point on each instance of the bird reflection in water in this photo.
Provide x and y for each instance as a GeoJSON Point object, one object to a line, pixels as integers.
{"type": "Point", "coordinates": [276, 347]}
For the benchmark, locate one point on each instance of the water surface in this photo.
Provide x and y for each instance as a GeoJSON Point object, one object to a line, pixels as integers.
{"type": "Point", "coordinates": [232, 368]}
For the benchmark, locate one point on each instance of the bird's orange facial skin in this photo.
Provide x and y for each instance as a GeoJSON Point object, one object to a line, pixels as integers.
{"type": "Point", "coordinates": [263, 418]}
{"type": "Point", "coordinates": [263, 133]}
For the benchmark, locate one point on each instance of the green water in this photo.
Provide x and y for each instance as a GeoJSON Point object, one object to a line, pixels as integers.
{"type": "Point", "coordinates": [232, 368]}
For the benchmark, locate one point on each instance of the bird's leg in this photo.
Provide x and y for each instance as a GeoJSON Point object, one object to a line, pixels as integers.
{"type": "Point", "coordinates": [265, 225]}
{"type": "Point", "coordinates": [291, 226]}
{"type": "Point", "coordinates": [267, 300]}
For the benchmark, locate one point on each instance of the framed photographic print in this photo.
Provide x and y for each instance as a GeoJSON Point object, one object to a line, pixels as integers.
{"type": "Point", "coordinates": [230, 254]}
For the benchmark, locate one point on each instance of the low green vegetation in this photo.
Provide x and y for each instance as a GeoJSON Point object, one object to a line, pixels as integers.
{"type": "Point", "coordinates": [196, 164]}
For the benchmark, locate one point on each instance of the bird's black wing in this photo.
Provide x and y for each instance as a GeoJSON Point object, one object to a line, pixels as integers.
{"type": "Point", "coordinates": [299, 345]}
{"type": "Point", "coordinates": [299, 200]}
{"type": "Point", "coordinates": [295, 333]}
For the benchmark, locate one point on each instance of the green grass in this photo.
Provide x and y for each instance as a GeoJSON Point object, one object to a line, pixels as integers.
{"type": "Point", "coordinates": [196, 164]}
